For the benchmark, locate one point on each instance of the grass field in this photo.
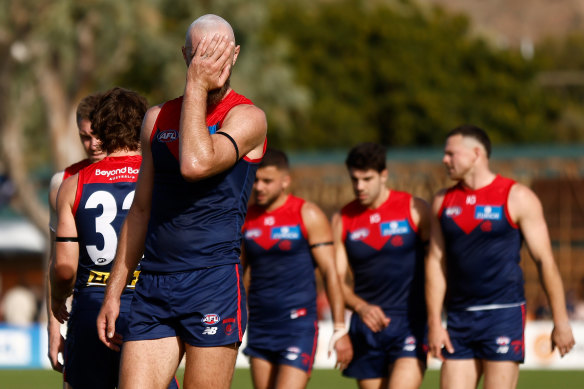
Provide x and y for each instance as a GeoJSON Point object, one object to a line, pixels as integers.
{"type": "Point", "coordinates": [321, 379]}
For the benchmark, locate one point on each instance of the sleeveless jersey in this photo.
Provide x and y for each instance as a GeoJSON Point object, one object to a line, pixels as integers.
{"type": "Point", "coordinates": [282, 285]}
{"type": "Point", "coordinates": [74, 169]}
{"type": "Point", "coordinates": [481, 247]}
{"type": "Point", "coordinates": [105, 191]}
{"type": "Point", "coordinates": [386, 254]}
{"type": "Point", "coordinates": [194, 225]}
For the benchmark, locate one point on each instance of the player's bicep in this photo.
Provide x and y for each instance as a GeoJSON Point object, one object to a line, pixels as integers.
{"type": "Point", "coordinates": [436, 246]}
{"type": "Point", "coordinates": [145, 182]}
{"type": "Point", "coordinates": [341, 259]}
{"type": "Point", "coordinates": [527, 212]}
{"type": "Point", "coordinates": [66, 247]}
{"type": "Point", "coordinates": [421, 215]}
{"type": "Point", "coordinates": [319, 235]}
{"type": "Point", "coordinates": [246, 125]}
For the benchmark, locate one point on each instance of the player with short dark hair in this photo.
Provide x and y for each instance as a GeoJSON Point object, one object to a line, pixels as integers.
{"type": "Point", "coordinates": [92, 205]}
{"type": "Point", "coordinates": [473, 268]}
{"type": "Point", "coordinates": [284, 238]}
{"type": "Point", "coordinates": [380, 238]}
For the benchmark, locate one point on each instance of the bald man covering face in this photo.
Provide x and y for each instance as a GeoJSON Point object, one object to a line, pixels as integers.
{"type": "Point", "coordinates": [200, 155]}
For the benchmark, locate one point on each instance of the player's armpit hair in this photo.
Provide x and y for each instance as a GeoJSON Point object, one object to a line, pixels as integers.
{"type": "Point", "coordinates": [232, 141]}
{"type": "Point", "coordinates": [66, 239]}
{"type": "Point", "coordinates": [313, 246]}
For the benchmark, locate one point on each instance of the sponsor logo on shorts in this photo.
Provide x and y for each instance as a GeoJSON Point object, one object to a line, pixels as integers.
{"type": "Point", "coordinates": [100, 278]}
{"type": "Point", "coordinates": [396, 227]}
{"type": "Point", "coordinates": [253, 233]}
{"type": "Point", "coordinates": [285, 232]}
{"type": "Point", "coordinates": [410, 343]}
{"type": "Point", "coordinates": [452, 211]}
{"type": "Point", "coordinates": [210, 319]}
{"type": "Point", "coordinates": [210, 331]}
{"type": "Point", "coordinates": [503, 343]}
{"type": "Point", "coordinates": [359, 234]}
{"type": "Point", "coordinates": [228, 325]}
{"type": "Point", "coordinates": [488, 212]}
{"type": "Point", "coordinates": [167, 136]}
{"type": "Point", "coordinates": [296, 313]}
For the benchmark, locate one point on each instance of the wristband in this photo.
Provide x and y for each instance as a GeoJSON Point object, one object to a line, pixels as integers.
{"type": "Point", "coordinates": [337, 334]}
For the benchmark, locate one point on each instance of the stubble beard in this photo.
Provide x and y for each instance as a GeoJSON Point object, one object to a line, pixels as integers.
{"type": "Point", "coordinates": [215, 96]}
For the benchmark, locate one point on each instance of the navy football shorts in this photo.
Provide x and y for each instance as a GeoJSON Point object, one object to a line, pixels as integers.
{"type": "Point", "coordinates": [294, 344]}
{"type": "Point", "coordinates": [88, 362]}
{"type": "Point", "coordinates": [493, 334]}
{"type": "Point", "coordinates": [373, 352]}
{"type": "Point", "coordinates": [205, 307]}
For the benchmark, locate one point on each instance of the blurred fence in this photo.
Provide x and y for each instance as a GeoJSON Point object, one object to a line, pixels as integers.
{"type": "Point", "coordinates": [555, 173]}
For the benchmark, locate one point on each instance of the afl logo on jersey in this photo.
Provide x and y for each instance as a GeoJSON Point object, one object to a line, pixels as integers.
{"type": "Point", "coordinates": [452, 211]}
{"type": "Point", "coordinates": [167, 136]}
{"type": "Point", "coordinates": [359, 234]}
{"type": "Point", "coordinates": [210, 319]}
{"type": "Point", "coordinates": [253, 233]}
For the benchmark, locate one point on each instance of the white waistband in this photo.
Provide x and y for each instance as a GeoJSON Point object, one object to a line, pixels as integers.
{"type": "Point", "coordinates": [494, 306]}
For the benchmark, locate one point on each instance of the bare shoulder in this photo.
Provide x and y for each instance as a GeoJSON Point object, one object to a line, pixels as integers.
{"type": "Point", "coordinates": [150, 118]}
{"type": "Point", "coordinates": [67, 191]}
{"type": "Point", "coordinates": [55, 183]}
{"type": "Point", "coordinates": [437, 200]}
{"type": "Point", "coordinates": [56, 180]}
{"type": "Point", "coordinates": [420, 205]}
{"type": "Point", "coordinates": [312, 212]}
{"type": "Point", "coordinates": [522, 201]}
{"type": "Point", "coordinates": [248, 120]}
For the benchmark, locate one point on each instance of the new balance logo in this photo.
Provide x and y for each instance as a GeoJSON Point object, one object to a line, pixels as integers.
{"type": "Point", "coordinates": [210, 331]}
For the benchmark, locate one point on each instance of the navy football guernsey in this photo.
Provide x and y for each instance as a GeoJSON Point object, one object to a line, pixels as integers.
{"type": "Point", "coordinates": [105, 191]}
{"type": "Point", "coordinates": [386, 254]}
{"type": "Point", "coordinates": [282, 285]}
{"type": "Point", "coordinates": [194, 225]}
{"type": "Point", "coordinates": [482, 247]}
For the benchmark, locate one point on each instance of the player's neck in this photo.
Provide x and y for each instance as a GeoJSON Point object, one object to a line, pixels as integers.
{"type": "Point", "coordinates": [382, 198]}
{"type": "Point", "coordinates": [123, 153]}
{"type": "Point", "coordinates": [280, 200]}
{"type": "Point", "coordinates": [478, 179]}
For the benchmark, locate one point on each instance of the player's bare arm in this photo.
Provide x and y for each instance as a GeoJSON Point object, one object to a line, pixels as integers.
{"type": "Point", "coordinates": [526, 211]}
{"type": "Point", "coordinates": [372, 315]}
{"type": "Point", "coordinates": [56, 340]}
{"type": "Point", "coordinates": [131, 240]}
{"type": "Point", "coordinates": [320, 239]}
{"type": "Point", "coordinates": [421, 216]}
{"type": "Point", "coordinates": [64, 268]}
{"type": "Point", "coordinates": [203, 155]}
{"type": "Point", "coordinates": [435, 285]}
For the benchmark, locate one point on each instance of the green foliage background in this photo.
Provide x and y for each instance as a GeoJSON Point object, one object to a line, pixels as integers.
{"type": "Point", "coordinates": [328, 73]}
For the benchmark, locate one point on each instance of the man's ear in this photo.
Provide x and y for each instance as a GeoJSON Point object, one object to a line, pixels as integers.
{"type": "Point", "coordinates": [286, 181]}
{"type": "Point", "coordinates": [235, 54]}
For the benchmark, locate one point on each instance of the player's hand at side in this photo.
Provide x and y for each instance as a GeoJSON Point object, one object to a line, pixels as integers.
{"type": "Point", "coordinates": [438, 338]}
{"type": "Point", "coordinates": [59, 308]}
{"type": "Point", "coordinates": [344, 350]}
{"type": "Point", "coordinates": [210, 66]}
{"type": "Point", "coordinates": [562, 338]}
{"type": "Point", "coordinates": [56, 346]}
{"type": "Point", "coordinates": [106, 325]}
{"type": "Point", "coordinates": [373, 317]}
